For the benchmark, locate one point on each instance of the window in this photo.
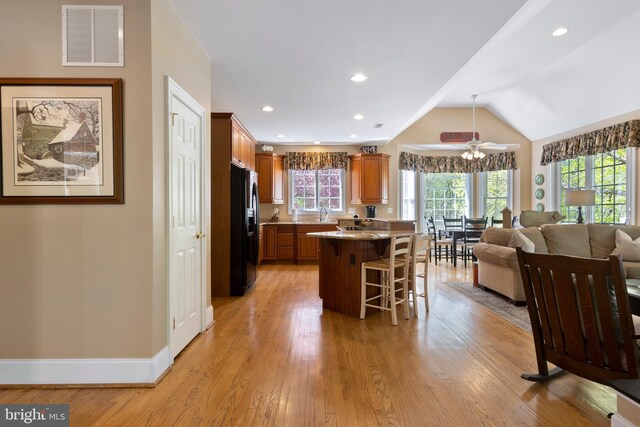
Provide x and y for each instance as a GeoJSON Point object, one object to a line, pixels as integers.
{"type": "Point", "coordinates": [445, 194]}
{"type": "Point", "coordinates": [312, 190]}
{"type": "Point", "coordinates": [610, 175]}
{"type": "Point", "coordinates": [408, 196]}
{"type": "Point", "coordinates": [496, 192]}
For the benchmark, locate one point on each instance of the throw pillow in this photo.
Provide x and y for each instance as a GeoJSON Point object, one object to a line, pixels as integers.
{"type": "Point", "coordinates": [519, 239]}
{"type": "Point", "coordinates": [626, 247]}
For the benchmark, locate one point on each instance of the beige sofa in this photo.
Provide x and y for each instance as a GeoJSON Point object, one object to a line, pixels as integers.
{"type": "Point", "coordinates": [498, 265]}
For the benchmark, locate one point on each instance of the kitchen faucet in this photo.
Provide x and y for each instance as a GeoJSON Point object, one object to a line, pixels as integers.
{"type": "Point", "coordinates": [325, 211]}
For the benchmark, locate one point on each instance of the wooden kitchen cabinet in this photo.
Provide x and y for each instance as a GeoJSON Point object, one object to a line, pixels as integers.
{"type": "Point", "coordinates": [269, 243]}
{"type": "Point", "coordinates": [285, 242]}
{"type": "Point", "coordinates": [270, 168]}
{"type": "Point", "coordinates": [227, 135]}
{"type": "Point", "coordinates": [369, 179]}
{"type": "Point", "coordinates": [289, 242]}
{"type": "Point", "coordinates": [243, 146]}
{"type": "Point", "coordinates": [308, 246]}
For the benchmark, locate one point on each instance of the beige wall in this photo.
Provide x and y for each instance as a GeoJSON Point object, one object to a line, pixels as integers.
{"type": "Point", "coordinates": [536, 155]}
{"type": "Point", "coordinates": [88, 281]}
{"type": "Point", "coordinates": [427, 131]}
{"type": "Point", "coordinates": [175, 54]}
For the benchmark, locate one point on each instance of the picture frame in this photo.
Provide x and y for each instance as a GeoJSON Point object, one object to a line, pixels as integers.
{"type": "Point", "coordinates": [61, 141]}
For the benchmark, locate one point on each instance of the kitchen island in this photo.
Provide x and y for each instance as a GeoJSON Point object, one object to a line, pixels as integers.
{"type": "Point", "coordinates": [341, 254]}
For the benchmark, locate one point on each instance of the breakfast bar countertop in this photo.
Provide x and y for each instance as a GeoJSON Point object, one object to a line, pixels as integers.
{"type": "Point", "coordinates": [361, 235]}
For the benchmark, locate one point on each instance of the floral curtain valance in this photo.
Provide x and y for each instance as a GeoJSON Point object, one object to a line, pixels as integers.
{"type": "Point", "coordinates": [456, 164]}
{"type": "Point", "coordinates": [611, 138]}
{"type": "Point", "coordinates": [315, 161]}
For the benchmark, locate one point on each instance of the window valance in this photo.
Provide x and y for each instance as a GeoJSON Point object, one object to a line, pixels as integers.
{"type": "Point", "coordinates": [456, 164]}
{"type": "Point", "coordinates": [315, 161]}
{"type": "Point", "coordinates": [611, 138]}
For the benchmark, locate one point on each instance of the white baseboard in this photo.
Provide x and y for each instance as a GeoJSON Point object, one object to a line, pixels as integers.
{"type": "Point", "coordinates": [208, 317]}
{"type": "Point", "coordinates": [84, 371]}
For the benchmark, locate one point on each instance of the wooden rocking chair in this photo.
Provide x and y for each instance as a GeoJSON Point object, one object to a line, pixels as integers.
{"type": "Point", "coordinates": [580, 317]}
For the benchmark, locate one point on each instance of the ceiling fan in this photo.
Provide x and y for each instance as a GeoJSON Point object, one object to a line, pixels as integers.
{"type": "Point", "coordinates": [474, 145]}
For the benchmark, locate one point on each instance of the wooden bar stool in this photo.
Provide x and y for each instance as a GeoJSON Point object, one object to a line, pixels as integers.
{"type": "Point", "coordinates": [420, 248]}
{"type": "Point", "coordinates": [389, 284]}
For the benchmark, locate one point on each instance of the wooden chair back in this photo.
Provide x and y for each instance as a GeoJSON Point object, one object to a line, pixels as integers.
{"type": "Point", "coordinates": [496, 222]}
{"type": "Point", "coordinates": [474, 225]}
{"type": "Point", "coordinates": [453, 223]}
{"type": "Point", "coordinates": [580, 316]}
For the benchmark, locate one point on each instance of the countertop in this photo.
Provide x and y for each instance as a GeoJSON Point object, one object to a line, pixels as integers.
{"type": "Point", "coordinates": [361, 235]}
{"type": "Point", "coordinates": [303, 222]}
{"type": "Point", "coordinates": [331, 221]}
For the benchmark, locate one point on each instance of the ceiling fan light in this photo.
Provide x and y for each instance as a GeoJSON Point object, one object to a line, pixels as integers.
{"type": "Point", "coordinates": [482, 155]}
{"type": "Point", "coordinates": [476, 154]}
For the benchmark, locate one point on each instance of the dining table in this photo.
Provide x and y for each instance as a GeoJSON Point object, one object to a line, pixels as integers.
{"type": "Point", "coordinates": [455, 235]}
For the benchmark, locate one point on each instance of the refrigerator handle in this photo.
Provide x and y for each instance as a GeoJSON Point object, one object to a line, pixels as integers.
{"type": "Point", "coordinates": [256, 215]}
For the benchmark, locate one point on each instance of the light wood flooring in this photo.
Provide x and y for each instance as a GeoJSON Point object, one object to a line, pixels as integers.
{"type": "Point", "coordinates": [274, 357]}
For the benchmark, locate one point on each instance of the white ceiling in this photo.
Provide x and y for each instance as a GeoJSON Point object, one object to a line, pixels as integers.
{"type": "Point", "coordinates": [297, 56]}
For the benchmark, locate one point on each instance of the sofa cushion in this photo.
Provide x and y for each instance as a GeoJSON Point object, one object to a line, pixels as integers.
{"type": "Point", "coordinates": [627, 248]}
{"type": "Point", "coordinates": [632, 269]}
{"type": "Point", "coordinates": [534, 234]}
{"type": "Point", "coordinates": [496, 254]}
{"type": "Point", "coordinates": [567, 239]}
{"type": "Point", "coordinates": [602, 237]}
{"type": "Point", "coordinates": [497, 236]}
{"type": "Point", "coordinates": [520, 240]}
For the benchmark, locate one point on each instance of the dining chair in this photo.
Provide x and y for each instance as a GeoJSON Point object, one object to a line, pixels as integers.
{"type": "Point", "coordinates": [453, 223]}
{"type": "Point", "coordinates": [451, 226]}
{"type": "Point", "coordinates": [420, 249]}
{"type": "Point", "coordinates": [580, 317]}
{"type": "Point", "coordinates": [496, 222]}
{"type": "Point", "coordinates": [390, 284]}
{"type": "Point", "coordinates": [470, 238]}
{"type": "Point", "coordinates": [438, 242]}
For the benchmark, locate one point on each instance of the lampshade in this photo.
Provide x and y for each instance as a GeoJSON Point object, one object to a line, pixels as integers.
{"type": "Point", "coordinates": [580, 197]}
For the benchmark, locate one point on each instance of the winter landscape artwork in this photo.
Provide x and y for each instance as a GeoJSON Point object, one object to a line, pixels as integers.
{"type": "Point", "coordinates": [61, 141]}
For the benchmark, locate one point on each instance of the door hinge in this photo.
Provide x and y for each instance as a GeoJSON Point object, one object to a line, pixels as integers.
{"type": "Point", "coordinates": [173, 221]}
{"type": "Point", "coordinates": [174, 323]}
{"type": "Point", "coordinates": [173, 117]}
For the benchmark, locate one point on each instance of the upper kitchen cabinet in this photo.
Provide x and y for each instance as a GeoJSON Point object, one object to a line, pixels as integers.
{"type": "Point", "coordinates": [369, 179]}
{"type": "Point", "coordinates": [233, 135]}
{"type": "Point", "coordinates": [270, 168]}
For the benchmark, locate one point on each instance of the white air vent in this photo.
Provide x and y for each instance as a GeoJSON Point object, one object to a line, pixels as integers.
{"type": "Point", "coordinates": [93, 36]}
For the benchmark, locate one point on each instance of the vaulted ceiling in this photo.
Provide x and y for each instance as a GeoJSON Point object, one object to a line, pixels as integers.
{"type": "Point", "coordinates": [297, 56]}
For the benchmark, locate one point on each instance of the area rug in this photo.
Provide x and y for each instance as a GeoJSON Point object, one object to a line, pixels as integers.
{"type": "Point", "coordinates": [495, 302]}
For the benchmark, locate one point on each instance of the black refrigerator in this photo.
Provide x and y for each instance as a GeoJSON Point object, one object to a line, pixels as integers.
{"type": "Point", "coordinates": [245, 238]}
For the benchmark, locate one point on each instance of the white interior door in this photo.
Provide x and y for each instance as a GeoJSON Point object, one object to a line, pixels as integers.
{"type": "Point", "coordinates": [186, 228]}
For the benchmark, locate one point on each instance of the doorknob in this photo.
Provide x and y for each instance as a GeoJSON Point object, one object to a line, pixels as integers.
{"type": "Point", "coordinates": [199, 234]}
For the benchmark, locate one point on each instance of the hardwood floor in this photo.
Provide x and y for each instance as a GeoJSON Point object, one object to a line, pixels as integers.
{"type": "Point", "coordinates": [274, 357]}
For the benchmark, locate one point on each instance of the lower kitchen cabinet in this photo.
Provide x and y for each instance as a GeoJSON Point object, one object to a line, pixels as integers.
{"type": "Point", "coordinates": [269, 243]}
{"type": "Point", "coordinates": [289, 242]}
{"type": "Point", "coordinates": [308, 247]}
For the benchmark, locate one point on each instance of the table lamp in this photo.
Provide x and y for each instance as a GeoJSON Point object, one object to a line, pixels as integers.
{"type": "Point", "coordinates": [580, 198]}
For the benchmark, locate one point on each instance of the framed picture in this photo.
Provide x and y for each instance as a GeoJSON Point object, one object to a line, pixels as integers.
{"type": "Point", "coordinates": [61, 141]}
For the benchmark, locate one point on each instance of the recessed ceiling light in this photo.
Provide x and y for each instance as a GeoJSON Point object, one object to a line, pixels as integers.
{"type": "Point", "coordinates": [267, 108]}
{"type": "Point", "coordinates": [353, 135]}
{"type": "Point", "coordinates": [280, 135]}
{"type": "Point", "coordinates": [358, 117]}
{"type": "Point", "coordinates": [358, 77]}
{"type": "Point", "coordinates": [560, 32]}
{"type": "Point", "coordinates": [316, 142]}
